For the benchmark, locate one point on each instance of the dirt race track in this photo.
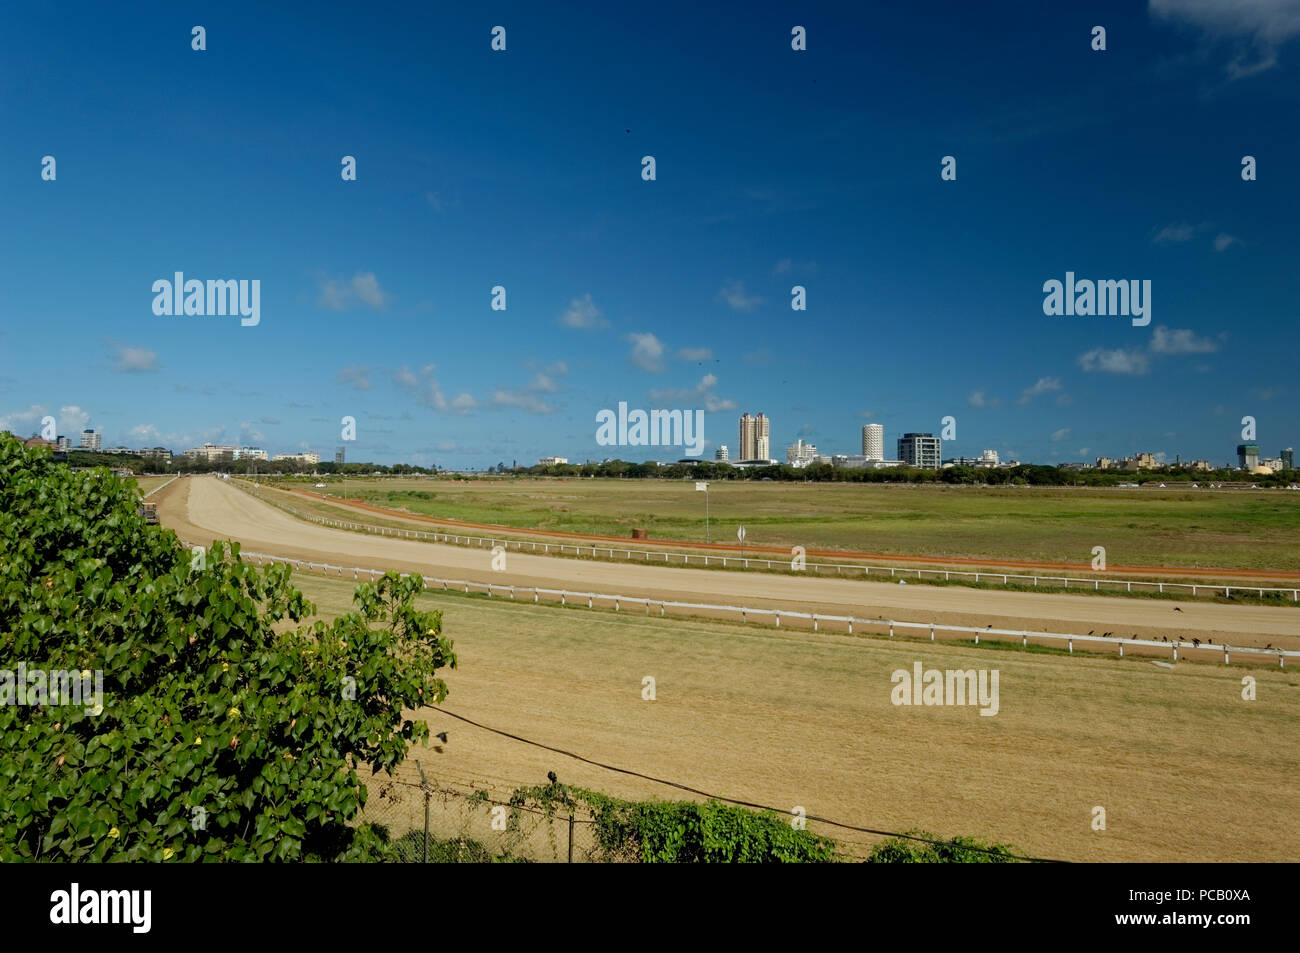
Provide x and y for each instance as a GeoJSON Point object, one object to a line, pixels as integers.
{"type": "Point", "coordinates": [202, 509]}
{"type": "Point", "coordinates": [1186, 770]}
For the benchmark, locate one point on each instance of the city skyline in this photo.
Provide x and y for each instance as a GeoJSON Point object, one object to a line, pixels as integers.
{"type": "Point", "coordinates": [375, 296]}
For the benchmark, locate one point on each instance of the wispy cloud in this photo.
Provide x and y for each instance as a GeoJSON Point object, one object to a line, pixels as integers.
{"type": "Point", "coordinates": [358, 375]}
{"type": "Point", "coordinates": [734, 294]}
{"type": "Point", "coordinates": [1180, 232]}
{"type": "Point", "coordinates": [134, 360]}
{"type": "Point", "coordinates": [423, 386]}
{"type": "Point", "coordinates": [1116, 361]}
{"type": "Point", "coordinates": [1223, 241]}
{"type": "Point", "coordinates": [695, 354]}
{"type": "Point", "coordinates": [982, 401]}
{"type": "Point", "coordinates": [1180, 341]}
{"type": "Point", "coordinates": [1255, 29]}
{"type": "Point", "coordinates": [1042, 386]}
{"type": "Point", "coordinates": [1060, 435]}
{"type": "Point", "coordinates": [702, 393]}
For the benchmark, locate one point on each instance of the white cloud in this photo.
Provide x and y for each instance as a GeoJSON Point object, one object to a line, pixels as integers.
{"type": "Point", "coordinates": [423, 386]}
{"type": "Point", "coordinates": [1117, 361]}
{"type": "Point", "coordinates": [734, 294]}
{"type": "Point", "coordinates": [366, 287]}
{"type": "Point", "coordinates": [1223, 241]}
{"type": "Point", "coordinates": [435, 203]}
{"type": "Point", "coordinates": [583, 313]}
{"type": "Point", "coordinates": [1042, 386]}
{"type": "Point", "coordinates": [1180, 341]}
{"type": "Point", "coordinates": [337, 295]}
{"type": "Point", "coordinates": [701, 393]}
{"type": "Point", "coordinates": [1060, 435]}
{"type": "Point", "coordinates": [981, 400]}
{"type": "Point", "coordinates": [647, 352]}
{"type": "Point", "coordinates": [135, 360]}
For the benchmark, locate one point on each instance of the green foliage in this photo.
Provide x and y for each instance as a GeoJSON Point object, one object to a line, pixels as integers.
{"type": "Point", "coordinates": [214, 700]}
{"type": "Point", "coordinates": [958, 850]}
{"type": "Point", "coordinates": [683, 831]}
{"type": "Point", "coordinates": [410, 848]}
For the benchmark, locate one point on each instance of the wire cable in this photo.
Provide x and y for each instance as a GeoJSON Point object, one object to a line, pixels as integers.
{"type": "Point", "coordinates": [732, 800]}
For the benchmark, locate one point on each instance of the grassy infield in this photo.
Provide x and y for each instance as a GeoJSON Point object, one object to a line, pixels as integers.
{"type": "Point", "coordinates": [1224, 529]}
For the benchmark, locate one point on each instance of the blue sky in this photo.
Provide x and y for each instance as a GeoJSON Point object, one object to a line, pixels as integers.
{"type": "Point", "coordinates": [774, 168]}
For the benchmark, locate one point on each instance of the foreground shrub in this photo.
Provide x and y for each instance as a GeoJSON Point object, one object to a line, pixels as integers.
{"type": "Point", "coordinates": [226, 733]}
{"type": "Point", "coordinates": [957, 850]}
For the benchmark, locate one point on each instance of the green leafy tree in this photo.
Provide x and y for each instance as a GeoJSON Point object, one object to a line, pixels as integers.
{"type": "Point", "coordinates": [229, 730]}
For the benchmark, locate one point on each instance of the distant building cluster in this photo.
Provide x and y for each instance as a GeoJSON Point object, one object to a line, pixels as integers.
{"type": "Point", "coordinates": [551, 461]}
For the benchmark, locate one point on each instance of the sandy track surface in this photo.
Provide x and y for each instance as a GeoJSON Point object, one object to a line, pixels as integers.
{"type": "Point", "coordinates": [202, 509]}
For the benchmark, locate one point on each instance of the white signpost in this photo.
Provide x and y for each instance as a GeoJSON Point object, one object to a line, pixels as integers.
{"type": "Point", "coordinates": [702, 485]}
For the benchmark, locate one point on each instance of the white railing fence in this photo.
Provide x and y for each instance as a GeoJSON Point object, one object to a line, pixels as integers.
{"type": "Point", "coordinates": [617, 601]}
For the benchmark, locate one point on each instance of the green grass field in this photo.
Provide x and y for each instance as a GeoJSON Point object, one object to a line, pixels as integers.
{"type": "Point", "coordinates": [1232, 529]}
{"type": "Point", "coordinates": [148, 483]}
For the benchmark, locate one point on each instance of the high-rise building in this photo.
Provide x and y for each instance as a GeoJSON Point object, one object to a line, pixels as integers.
{"type": "Point", "coordinates": [755, 437]}
{"type": "Point", "coordinates": [64, 444]}
{"type": "Point", "coordinates": [1248, 455]}
{"type": "Point", "coordinates": [722, 453]}
{"type": "Point", "coordinates": [922, 450]}
{"type": "Point", "coordinates": [873, 442]}
{"type": "Point", "coordinates": [338, 456]}
{"type": "Point", "coordinates": [1288, 459]}
{"type": "Point", "coordinates": [90, 440]}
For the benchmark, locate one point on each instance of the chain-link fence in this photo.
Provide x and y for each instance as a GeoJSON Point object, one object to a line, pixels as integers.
{"type": "Point", "coordinates": [443, 823]}
{"type": "Point", "coordinates": [447, 822]}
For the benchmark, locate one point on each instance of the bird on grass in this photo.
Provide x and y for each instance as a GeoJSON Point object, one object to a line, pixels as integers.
{"type": "Point", "coordinates": [441, 736]}
{"type": "Point", "coordinates": [1196, 643]}
{"type": "Point", "coordinates": [1090, 631]}
{"type": "Point", "coordinates": [550, 776]}
{"type": "Point", "coordinates": [1176, 609]}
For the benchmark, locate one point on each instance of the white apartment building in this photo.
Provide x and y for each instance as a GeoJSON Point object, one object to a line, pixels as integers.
{"type": "Point", "coordinates": [91, 440]}
{"type": "Point", "coordinates": [873, 442]}
{"type": "Point", "coordinates": [800, 454]}
{"type": "Point", "coordinates": [722, 453]}
{"type": "Point", "coordinates": [551, 461]}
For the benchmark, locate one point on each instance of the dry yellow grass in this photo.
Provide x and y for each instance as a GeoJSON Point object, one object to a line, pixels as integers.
{"type": "Point", "coordinates": [1184, 767]}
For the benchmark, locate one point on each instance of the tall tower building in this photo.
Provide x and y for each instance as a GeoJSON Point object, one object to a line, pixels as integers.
{"type": "Point", "coordinates": [755, 437]}
{"type": "Point", "coordinates": [338, 456]}
{"type": "Point", "coordinates": [722, 453]}
{"type": "Point", "coordinates": [1288, 459]}
{"type": "Point", "coordinates": [745, 445]}
{"type": "Point", "coordinates": [1248, 455]}
{"type": "Point", "coordinates": [90, 440]}
{"type": "Point", "coordinates": [873, 442]}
